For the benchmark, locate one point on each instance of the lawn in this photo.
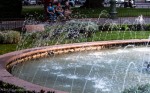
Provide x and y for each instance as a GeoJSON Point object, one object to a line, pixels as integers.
{"type": "Point", "coordinates": [97, 36]}
{"type": "Point", "coordinates": [121, 12]}
{"type": "Point", "coordinates": [5, 48]}
{"type": "Point", "coordinates": [93, 13]}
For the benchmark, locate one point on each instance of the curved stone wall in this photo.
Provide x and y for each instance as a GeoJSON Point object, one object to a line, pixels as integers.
{"type": "Point", "coordinates": [10, 59]}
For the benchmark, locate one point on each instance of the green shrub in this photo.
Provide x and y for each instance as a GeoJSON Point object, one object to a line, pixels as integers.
{"type": "Point", "coordinates": [9, 88]}
{"type": "Point", "coordinates": [125, 27]}
{"type": "Point", "coordinates": [1, 37]}
{"type": "Point", "coordinates": [138, 89]}
{"type": "Point", "coordinates": [82, 25]}
{"type": "Point", "coordinates": [9, 37]}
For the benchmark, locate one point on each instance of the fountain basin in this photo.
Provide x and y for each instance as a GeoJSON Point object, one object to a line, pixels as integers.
{"type": "Point", "coordinates": [10, 59]}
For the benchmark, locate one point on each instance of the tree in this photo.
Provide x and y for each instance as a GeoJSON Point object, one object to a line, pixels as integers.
{"type": "Point", "coordinates": [10, 8]}
{"type": "Point", "coordinates": [93, 3]}
{"type": "Point", "coordinates": [46, 3]}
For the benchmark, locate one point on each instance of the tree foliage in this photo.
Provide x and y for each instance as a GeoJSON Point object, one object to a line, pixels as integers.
{"type": "Point", "coordinates": [10, 8]}
{"type": "Point", "coordinates": [93, 3]}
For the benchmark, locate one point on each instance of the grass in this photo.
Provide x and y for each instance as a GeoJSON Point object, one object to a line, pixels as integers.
{"type": "Point", "coordinates": [93, 13]}
{"type": "Point", "coordinates": [6, 48]}
{"type": "Point", "coordinates": [32, 10]}
{"type": "Point", "coordinates": [97, 36]}
{"type": "Point", "coordinates": [121, 12]}
{"type": "Point", "coordinates": [108, 35]}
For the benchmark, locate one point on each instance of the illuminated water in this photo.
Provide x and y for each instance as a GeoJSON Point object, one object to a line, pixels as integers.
{"type": "Point", "coordinates": [102, 71]}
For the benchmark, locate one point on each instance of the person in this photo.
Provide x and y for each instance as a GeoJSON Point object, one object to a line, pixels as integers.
{"type": "Point", "coordinates": [130, 3]}
{"type": "Point", "coordinates": [67, 11]}
{"type": "Point", "coordinates": [126, 3]}
{"type": "Point", "coordinates": [59, 10]}
{"type": "Point", "coordinates": [51, 12]}
{"type": "Point", "coordinates": [67, 6]}
{"type": "Point", "coordinates": [67, 14]}
{"type": "Point", "coordinates": [147, 65]}
{"type": "Point", "coordinates": [46, 4]}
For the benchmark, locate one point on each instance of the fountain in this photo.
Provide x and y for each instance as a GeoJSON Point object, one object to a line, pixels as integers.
{"type": "Point", "coordinates": [99, 71]}
{"type": "Point", "coordinates": [140, 22]}
{"type": "Point", "coordinates": [80, 67]}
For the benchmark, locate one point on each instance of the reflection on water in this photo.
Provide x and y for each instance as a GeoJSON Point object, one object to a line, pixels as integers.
{"type": "Point", "coordinates": [103, 71]}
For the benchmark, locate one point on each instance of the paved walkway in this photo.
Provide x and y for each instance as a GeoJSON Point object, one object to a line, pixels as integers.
{"type": "Point", "coordinates": [138, 5]}
{"type": "Point", "coordinates": [120, 20]}
{"type": "Point", "coordinates": [100, 21]}
{"type": "Point", "coordinates": [5, 25]}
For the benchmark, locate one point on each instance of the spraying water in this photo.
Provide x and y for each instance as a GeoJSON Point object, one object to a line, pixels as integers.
{"type": "Point", "coordinates": [106, 71]}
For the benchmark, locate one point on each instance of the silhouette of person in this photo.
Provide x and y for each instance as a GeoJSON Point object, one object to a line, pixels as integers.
{"type": "Point", "coordinates": [148, 65]}
{"type": "Point", "coordinates": [130, 4]}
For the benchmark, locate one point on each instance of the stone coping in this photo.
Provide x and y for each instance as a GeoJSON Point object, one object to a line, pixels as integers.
{"type": "Point", "coordinates": [12, 58]}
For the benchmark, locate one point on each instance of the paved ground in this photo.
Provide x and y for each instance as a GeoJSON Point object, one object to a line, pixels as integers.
{"type": "Point", "coordinates": [138, 5]}
{"type": "Point", "coordinates": [5, 25]}
{"type": "Point", "coordinates": [121, 20]}
{"type": "Point", "coordinates": [101, 21]}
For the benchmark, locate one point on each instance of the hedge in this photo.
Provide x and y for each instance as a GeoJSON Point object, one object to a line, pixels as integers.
{"type": "Point", "coordinates": [9, 37]}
